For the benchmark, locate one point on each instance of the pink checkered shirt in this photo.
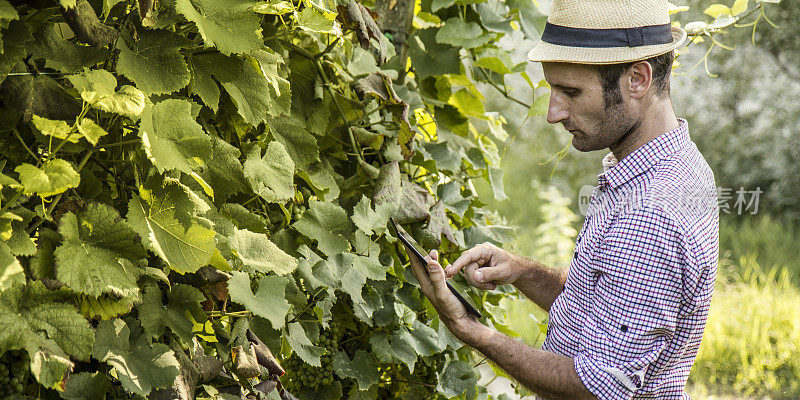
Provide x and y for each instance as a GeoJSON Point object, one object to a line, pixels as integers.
{"type": "Point", "coordinates": [635, 302]}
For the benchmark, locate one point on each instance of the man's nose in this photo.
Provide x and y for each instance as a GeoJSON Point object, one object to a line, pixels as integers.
{"type": "Point", "coordinates": [556, 112]}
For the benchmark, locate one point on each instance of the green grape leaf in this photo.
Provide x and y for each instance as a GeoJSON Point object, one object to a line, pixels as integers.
{"type": "Point", "coordinates": [86, 386]}
{"type": "Point", "coordinates": [388, 187]}
{"type": "Point", "coordinates": [202, 83]}
{"type": "Point", "coordinates": [360, 19]}
{"type": "Point", "coordinates": [88, 259]}
{"type": "Point", "coordinates": [314, 270]}
{"type": "Point", "coordinates": [128, 101]}
{"type": "Point", "coordinates": [230, 26]}
{"type": "Point", "coordinates": [56, 129]}
{"type": "Point", "coordinates": [253, 84]}
{"type": "Point", "coordinates": [274, 7]}
{"type": "Point", "coordinates": [94, 85]}
{"type": "Point", "coordinates": [140, 366]}
{"type": "Point", "coordinates": [62, 54]}
{"type": "Point", "coordinates": [421, 337]}
{"type": "Point", "coordinates": [299, 142]}
{"type": "Point", "coordinates": [322, 181]}
{"type": "Point", "coordinates": [90, 130]}
{"type": "Point", "coordinates": [415, 203]}
{"type": "Point", "coordinates": [181, 300]}
{"type": "Point", "coordinates": [312, 20]}
{"type": "Point", "coordinates": [32, 318]}
{"type": "Point", "coordinates": [531, 19]}
{"type": "Point", "coordinates": [51, 370]}
{"type": "Point", "coordinates": [362, 63]}
{"type": "Point", "coordinates": [468, 103]}
{"type": "Point", "coordinates": [459, 379]}
{"type": "Point", "coordinates": [328, 224]}
{"type": "Point", "coordinates": [268, 301]}
{"type": "Point", "coordinates": [540, 105]}
{"type": "Point", "coordinates": [495, 59]}
{"type": "Point", "coordinates": [7, 11]}
{"type": "Point", "coordinates": [433, 58]}
{"type": "Point", "coordinates": [438, 225]}
{"type": "Point", "coordinates": [160, 222]}
{"type": "Point", "coordinates": [270, 176]}
{"type": "Point", "coordinates": [299, 342]}
{"type": "Point", "coordinates": [352, 272]}
{"type": "Point", "coordinates": [55, 176]}
{"type": "Point", "coordinates": [258, 252]}
{"type": "Point", "coordinates": [362, 368]}
{"type": "Point", "coordinates": [153, 62]}
{"type": "Point", "coordinates": [380, 86]}
{"type": "Point", "coordinates": [496, 178]}
{"type": "Point", "coordinates": [20, 242]}
{"type": "Point", "coordinates": [395, 350]}
{"type": "Point", "coordinates": [104, 306]}
{"type": "Point", "coordinates": [223, 171]}
{"type": "Point", "coordinates": [10, 269]}
{"type": "Point", "coordinates": [172, 138]}
{"type": "Point", "coordinates": [369, 220]}
{"type": "Point", "coordinates": [463, 34]}
{"type": "Point", "coordinates": [244, 218]}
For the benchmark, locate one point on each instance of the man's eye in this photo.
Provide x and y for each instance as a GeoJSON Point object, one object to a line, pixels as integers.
{"type": "Point", "coordinates": [571, 92]}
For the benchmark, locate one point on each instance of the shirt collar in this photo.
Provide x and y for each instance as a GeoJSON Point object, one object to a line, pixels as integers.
{"type": "Point", "coordinates": [640, 160]}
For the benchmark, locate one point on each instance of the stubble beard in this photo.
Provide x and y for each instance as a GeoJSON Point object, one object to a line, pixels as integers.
{"type": "Point", "coordinates": [620, 123]}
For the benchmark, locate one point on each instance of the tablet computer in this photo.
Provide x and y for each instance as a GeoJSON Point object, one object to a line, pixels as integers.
{"type": "Point", "coordinates": [408, 241]}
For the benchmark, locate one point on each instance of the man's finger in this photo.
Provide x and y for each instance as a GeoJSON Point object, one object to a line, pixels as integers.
{"type": "Point", "coordinates": [419, 271]}
{"type": "Point", "coordinates": [474, 255]}
{"type": "Point", "coordinates": [475, 277]}
{"type": "Point", "coordinates": [494, 275]}
{"type": "Point", "coordinates": [436, 273]}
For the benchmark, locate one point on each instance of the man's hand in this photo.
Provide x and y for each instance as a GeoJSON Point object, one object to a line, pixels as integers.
{"type": "Point", "coordinates": [432, 284]}
{"type": "Point", "coordinates": [486, 266]}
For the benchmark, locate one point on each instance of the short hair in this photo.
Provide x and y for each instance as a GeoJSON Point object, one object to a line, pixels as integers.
{"type": "Point", "coordinates": [610, 73]}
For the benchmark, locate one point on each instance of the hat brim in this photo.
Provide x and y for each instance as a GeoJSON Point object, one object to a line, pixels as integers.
{"type": "Point", "coordinates": [547, 52]}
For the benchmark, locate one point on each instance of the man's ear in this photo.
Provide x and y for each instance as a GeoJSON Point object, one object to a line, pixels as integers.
{"type": "Point", "coordinates": [640, 78]}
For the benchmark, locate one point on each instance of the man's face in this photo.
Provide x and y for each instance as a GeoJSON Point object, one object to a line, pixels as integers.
{"type": "Point", "coordinates": [576, 101]}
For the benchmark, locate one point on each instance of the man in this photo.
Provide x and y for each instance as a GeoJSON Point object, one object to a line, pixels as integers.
{"type": "Point", "coordinates": [626, 319]}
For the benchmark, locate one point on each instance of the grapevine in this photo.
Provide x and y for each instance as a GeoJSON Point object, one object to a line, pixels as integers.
{"type": "Point", "coordinates": [195, 195]}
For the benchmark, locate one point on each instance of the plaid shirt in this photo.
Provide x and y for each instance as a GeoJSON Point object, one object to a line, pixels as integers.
{"type": "Point", "coordinates": [635, 302]}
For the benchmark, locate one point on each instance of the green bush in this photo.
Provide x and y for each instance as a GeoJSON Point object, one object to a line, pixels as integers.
{"type": "Point", "coordinates": [751, 344]}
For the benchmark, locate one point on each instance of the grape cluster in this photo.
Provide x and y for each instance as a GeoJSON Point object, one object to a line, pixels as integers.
{"type": "Point", "coordinates": [302, 375]}
{"type": "Point", "coordinates": [297, 211]}
{"type": "Point", "coordinates": [393, 384]}
{"type": "Point", "coordinates": [425, 371]}
{"type": "Point", "coordinates": [14, 373]}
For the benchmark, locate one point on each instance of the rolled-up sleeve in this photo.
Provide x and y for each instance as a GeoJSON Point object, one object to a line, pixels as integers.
{"type": "Point", "coordinates": [639, 268]}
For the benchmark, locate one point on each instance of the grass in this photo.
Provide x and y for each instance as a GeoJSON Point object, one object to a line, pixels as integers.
{"type": "Point", "coordinates": [751, 344]}
{"type": "Point", "coordinates": [770, 241]}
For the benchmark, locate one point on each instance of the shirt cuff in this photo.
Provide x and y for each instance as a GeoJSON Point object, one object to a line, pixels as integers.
{"type": "Point", "coordinates": [607, 383]}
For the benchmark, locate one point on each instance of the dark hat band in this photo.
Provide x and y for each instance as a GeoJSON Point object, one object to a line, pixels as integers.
{"type": "Point", "coordinates": [616, 37]}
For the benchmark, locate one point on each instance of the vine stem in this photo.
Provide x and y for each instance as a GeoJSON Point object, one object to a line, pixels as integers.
{"type": "Point", "coordinates": [122, 143]}
{"type": "Point", "coordinates": [22, 142]}
{"type": "Point", "coordinates": [294, 319]}
{"type": "Point", "coordinates": [503, 91]}
{"type": "Point", "coordinates": [225, 313]}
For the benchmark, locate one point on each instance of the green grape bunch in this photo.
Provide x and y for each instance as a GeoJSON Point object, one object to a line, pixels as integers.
{"type": "Point", "coordinates": [301, 375]}
{"type": "Point", "coordinates": [14, 373]}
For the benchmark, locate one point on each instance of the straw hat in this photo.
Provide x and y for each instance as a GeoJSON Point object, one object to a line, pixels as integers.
{"type": "Point", "coordinates": [606, 32]}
